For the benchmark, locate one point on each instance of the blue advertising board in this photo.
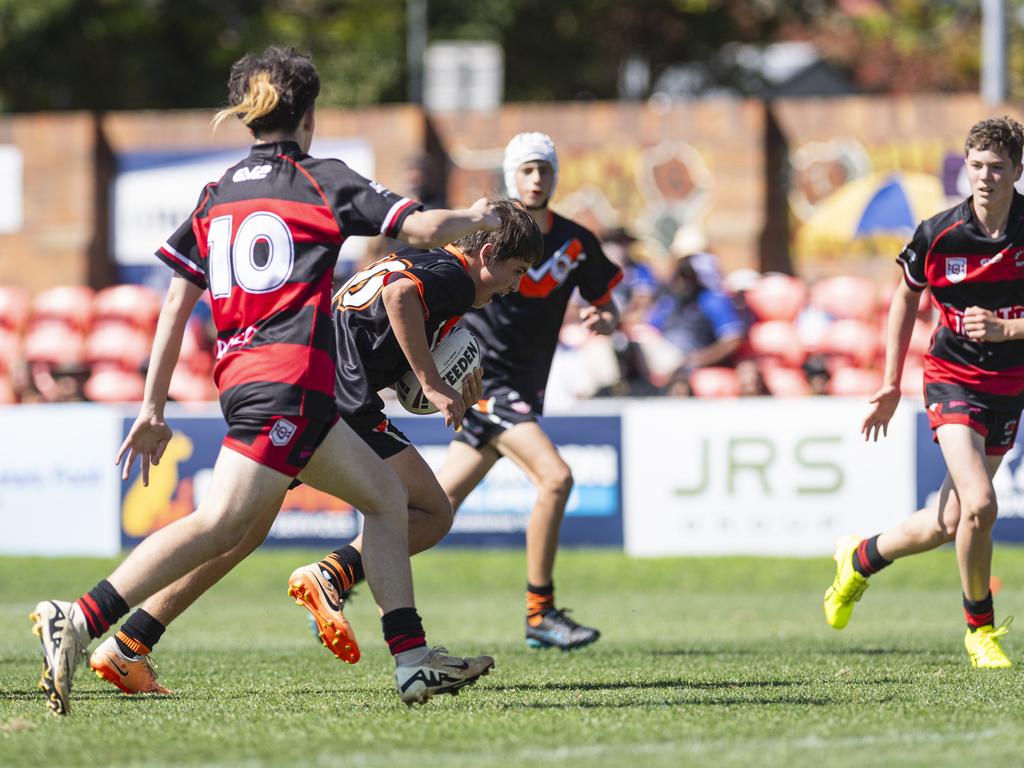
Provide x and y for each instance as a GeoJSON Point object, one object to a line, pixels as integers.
{"type": "Point", "coordinates": [495, 514]}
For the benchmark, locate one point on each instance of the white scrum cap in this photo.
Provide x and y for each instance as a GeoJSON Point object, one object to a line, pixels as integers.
{"type": "Point", "coordinates": [523, 148]}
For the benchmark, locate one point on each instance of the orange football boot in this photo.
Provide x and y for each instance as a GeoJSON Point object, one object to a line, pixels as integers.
{"type": "Point", "coordinates": [131, 675]}
{"type": "Point", "coordinates": [316, 593]}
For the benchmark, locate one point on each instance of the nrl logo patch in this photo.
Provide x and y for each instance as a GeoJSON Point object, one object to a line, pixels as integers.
{"type": "Point", "coordinates": [282, 432]}
{"type": "Point", "coordinates": [956, 268]}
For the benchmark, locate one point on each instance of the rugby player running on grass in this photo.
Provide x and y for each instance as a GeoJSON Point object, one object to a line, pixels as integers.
{"type": "Point", "coordinates": [972, 258]}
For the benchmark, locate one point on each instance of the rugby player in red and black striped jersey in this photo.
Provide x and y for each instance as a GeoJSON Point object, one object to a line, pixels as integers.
{"type": "Point", "coordinates": [518, 335]}
{"type": "Point", "coordinates": [386, 319]}
{"type": "Point", "coordinates": [265, 239]}
{"type": "Point", "coordinates": [972, 258]}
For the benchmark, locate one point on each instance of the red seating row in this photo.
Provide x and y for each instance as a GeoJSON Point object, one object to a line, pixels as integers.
{"type": "Point", "coordinates": [79, 307]}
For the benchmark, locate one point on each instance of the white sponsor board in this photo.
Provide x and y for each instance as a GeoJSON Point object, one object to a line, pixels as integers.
{"type": "Point", "coordinates": [12, 194]}
{"type": "Point", "coordinates": [156, 192]}
{"type": "Point", "coordinates": [760, 476]}
{"type": "Point", "coordinates": [58, 483]}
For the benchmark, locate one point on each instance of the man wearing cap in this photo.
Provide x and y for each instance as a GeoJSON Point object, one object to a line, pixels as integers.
{"type": "Point", "coordinates": [519, 334]}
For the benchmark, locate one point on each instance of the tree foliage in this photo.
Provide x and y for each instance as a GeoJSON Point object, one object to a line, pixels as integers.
{"type": "Point", "coordinates": [158, 54]}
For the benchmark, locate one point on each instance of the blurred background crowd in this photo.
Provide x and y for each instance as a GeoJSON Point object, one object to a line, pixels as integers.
{"type": "Point", "coordinates": [754, 167]}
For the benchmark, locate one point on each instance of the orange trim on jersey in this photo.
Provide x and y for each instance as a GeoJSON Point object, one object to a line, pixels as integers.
{"type": "Point", "coordinates": [607, 296]}
{"type": "Point", "coordinates": [416, 280]}
{"type": "Point", "coordinates": [457, 253]}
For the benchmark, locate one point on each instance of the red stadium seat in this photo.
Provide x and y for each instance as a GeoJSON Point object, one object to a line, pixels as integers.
{"type": "Point", "coordinates": [68, 304]}
{"type": "Point", "coordinates": [776, 297]}
{"type": "Point", "coordinates": [854, 382]}
{"type": "Point", "coordinates": [14, 307]}
{"type": "Point", "coordinates": [845, 297]}
{"type": "Point", "coordinates": [912, 383]}
{"type": "Point", "coordinates": [10, 349]}
{"type": "Point", "coordinates": [714, 382]}
{"type": "Point", "coordinates": [850, 342]}
{"type": "Point", "coordinates": [776, 341]}
{"type": "Point", "coordinates": [117, 346]}
{"type": "Point", "coordinates": [786, 382]}
{"type": "Point", "coordinates": [113, 386]}
{"type": "Point", "coordinates": [134, 305]}
{"type": "Point", "coordinates": [55, 344]}
{"type": "Point", "coordinates": [189, 387]}
{"type": "Point", "coordinates": [193, 354]}
{"type": "Point", "coordinates": [7, 394]}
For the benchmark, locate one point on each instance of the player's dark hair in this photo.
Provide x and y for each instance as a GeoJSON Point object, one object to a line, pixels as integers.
{"type": "Point", "coordinates": [271, 91]}
{"type": "Point", "coordinates": [518, 237]}
{"type": "Point", "coordinates": [997, 133]}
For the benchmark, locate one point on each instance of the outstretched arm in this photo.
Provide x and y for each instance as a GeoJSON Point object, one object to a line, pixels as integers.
{"type": "Point", "coordinates": [149, 435]}
{"type": "Point", "coordinates": [430, 229]}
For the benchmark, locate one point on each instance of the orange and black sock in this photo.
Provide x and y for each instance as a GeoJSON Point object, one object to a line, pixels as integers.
{"type": "Point", "coordinates": [139, 634]}
{"type": "Point", "coordinates": [403, 630]}
{"type": "Point", "coordinates": [866, 560]}
{"type": "Point", "coordinates": [979, 612]}
{"type": "Point", "coordinates": [344, 567]}
{"type": "Point", "coordinates": [102, 606]}
{"type": "Point", "coordinates": [538, 600]}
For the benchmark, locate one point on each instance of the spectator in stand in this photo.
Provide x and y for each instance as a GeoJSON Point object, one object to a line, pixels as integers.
{"type": "Point", "coordinates": [639, 285]}
{"type": "Point", "coordinates": [701, 322]}
{"type": "Point", "coordinates": [422, 182]}
{"type": "Point", "coordinates": [750, 379]}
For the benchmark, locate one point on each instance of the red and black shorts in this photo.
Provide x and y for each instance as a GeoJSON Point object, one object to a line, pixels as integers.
{"type": "Point", "coordinates": [284, 443]}
{"type": "Point", "coordinates": [994, 417]}
{"type": "Point", "coordinates": [489, 418]}
{"type": "Point", "coordinates": [377, 431]}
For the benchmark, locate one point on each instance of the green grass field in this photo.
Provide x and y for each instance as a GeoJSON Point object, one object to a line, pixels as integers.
{"type": "Point", "coordinates": [719, 661]}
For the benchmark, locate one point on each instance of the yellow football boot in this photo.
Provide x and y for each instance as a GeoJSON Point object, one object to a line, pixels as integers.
{"type": "Point", "coordinates": [983, 646]}
{"type": "Point", "coordinates": [847, 587]}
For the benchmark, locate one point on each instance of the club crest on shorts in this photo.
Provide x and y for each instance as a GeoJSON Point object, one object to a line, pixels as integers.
{"type": "Point", "coordinates": [956, 268]}
{"type": "Point", "coordinates": [282, 432]}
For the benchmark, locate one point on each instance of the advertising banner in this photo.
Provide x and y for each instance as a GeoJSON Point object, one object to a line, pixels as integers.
{"type": "Point", "coordinates": [156, 191]}
{"type": "Point", "coordinates": [494, 515]}
{"type": "Point", "coordinates": [760, 475]}
{"type": "Point", "coordinates": [58, 482]}
{"type": "Point", "coordinates": [1008, 482]}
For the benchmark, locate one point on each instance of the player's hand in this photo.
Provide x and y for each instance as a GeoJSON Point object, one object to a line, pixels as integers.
{"type": "Point", "coordinates": [983, 325]}
{"type": "Point", "coordinates": [473, 388]}
{"type": "Point", "coordinates": [597, 321]}
{"type": "Point", "coordinates": [147, 440]}
{"type": "Point", "coordinates": [485, 210]}
{"type": "Point", "coordinates": [449, 403]}
{"type": "Point", "coordinates": [884, 403]}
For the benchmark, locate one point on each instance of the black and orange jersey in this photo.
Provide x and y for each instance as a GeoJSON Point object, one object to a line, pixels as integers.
{"type": "Point", "coordinates": [264, 239]}
{"type": "Point", "coordinates": [963, 267]}
{"type": "Point", "coordinates": [518, 333]}
{"type": "Point", "coordinates": [369, 357]}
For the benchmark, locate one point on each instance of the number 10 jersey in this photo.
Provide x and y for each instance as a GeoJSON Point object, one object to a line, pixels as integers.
{"type": "Point", "coordinates": [265, 240]}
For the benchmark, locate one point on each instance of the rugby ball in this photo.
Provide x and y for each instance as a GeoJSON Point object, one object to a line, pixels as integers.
{"type": "Point", "coordinates": [456, 356]}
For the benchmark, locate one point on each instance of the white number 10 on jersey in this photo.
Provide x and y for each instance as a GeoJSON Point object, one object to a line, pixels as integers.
{"type": "Point", "coordinates": [239, 257]}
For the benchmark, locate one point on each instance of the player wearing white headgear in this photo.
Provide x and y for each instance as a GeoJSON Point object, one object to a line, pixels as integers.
{"type": "Point", "coordinates": [518, 334]}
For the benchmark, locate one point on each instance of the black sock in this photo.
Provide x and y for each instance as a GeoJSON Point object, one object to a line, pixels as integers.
{"type": "Point", "coordinates": [979, 613]}
{"type": "Point", "coordinates": [139, 634]}
{"type": "Point", "coordinates": [866, 560]}
{"type": "Point", "coordinates": [403, 630]}
{"type": "Point", "coordinates": [101, 606]}
{"type": "Point", "coordinates": [344, 567]}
